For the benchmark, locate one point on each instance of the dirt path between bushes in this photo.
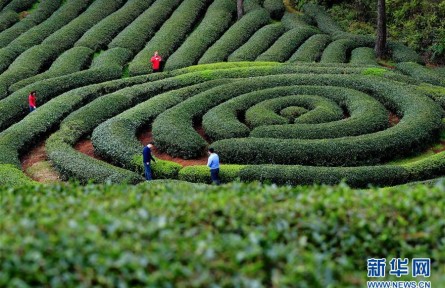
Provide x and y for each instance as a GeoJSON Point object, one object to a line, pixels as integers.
{"type": "Point", "coordinates": [35, 165]}
{"type": "Point", "coordinates": [146, 137]}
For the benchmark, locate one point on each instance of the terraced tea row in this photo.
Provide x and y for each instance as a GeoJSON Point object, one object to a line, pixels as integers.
{"type": "Point", "coordinates": [187, 33]}
{"type": "Point", "coordinates": [338, 126]}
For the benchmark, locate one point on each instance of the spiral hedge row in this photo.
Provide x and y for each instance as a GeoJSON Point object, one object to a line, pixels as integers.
{"type": "Point", "coordinates": [320, 118]}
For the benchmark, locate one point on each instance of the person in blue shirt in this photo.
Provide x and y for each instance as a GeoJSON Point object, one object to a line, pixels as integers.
{"type": "Point", "coordinates": [147, 157]}
{"type": "Point", "coordinates": [213, 164]}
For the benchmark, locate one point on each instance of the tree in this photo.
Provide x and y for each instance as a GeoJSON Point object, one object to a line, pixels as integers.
{"type": "Point", "coordinates": [380, 45]}
{"type": "Point", "coordinates": [239, 8]}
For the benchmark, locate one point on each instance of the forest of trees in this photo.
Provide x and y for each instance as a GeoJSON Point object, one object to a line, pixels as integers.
{"type": "Point", "coordinates": [419, 23]}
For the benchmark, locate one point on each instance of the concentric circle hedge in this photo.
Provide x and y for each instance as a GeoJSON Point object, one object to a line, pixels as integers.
{"type": "Point", "coordinates": [322, 116]}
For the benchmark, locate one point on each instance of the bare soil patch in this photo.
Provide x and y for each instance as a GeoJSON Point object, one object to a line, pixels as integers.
{"type": "Point", "coordinates": [393, 119]}
{"type": "Point", "coordinates": [86, 147]}
{"type": "Point", "coordinates": [146, 137]}
{"type": "Point", "coordinates": [35, 165]}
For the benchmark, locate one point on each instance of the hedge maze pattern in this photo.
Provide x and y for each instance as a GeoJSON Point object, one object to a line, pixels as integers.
{"type": "Point", "coordinates": [308, 104]}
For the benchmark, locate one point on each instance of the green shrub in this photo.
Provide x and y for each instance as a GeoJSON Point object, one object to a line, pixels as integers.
{"type": "Point", "coordinates": [70, 61]}
{"type": "Point", "coordinates": [312, 49]}
{"type": "Point", "coordinates": [216, 21]}
{"type": "Point", "coordinates": [170, 36]}
{"type": "Point", "coordinates": [417, 128]}
{"type": "Point", "coordinates": [70, 33]}
{"type": "Point", "coordinates": [286, 45]}
{"type": "Point", "coordinates": [434, 92]}
{"type": "Point", "coordinates": [116, 140]}
{"type": "Point", "coordinates": [34, 36]}
{"type": "Point", "coordinates": [28, 64]}
{"type": "Point", "coordinates": [12, 177]}
{"type": "Point", "coordinates": [201, 174]}
{"type": "Point", "coordinates": [367, 116]}
{"type": "Point", "coordinates": [421, 73]}
{"type": "Point", "coordinates": [363, 55]}
{"type": "Point", "coordinates": [135, 36]}
{"type": "Point", "coordinates": [7, 56]}
{"type": "Point", "coordinates": [402, 53]}
{"type": "Point", "coordinates": [173, 234]}
{"type": "Point", "coordinates": [7, 19]}
{"type": "Point", "coordinates": [222, 121]}
{"type": "Point", "coordinates": [275, 8]}
{"type": "Point", "coordinates": [160, 169]}
{"type": "Point", "coordinates": [114, 57]}
{"type": "Point", "coordinates": [324, 21]}
{"type": "Point", "coordinates": [337, 51]}
{"type": "Point", "coordinates": [258, 43]}
{"type": "Point", "coordinates": [17, 138]}
{"type": "Point", "coordinates": [98, 37]}
{"type": "Point", "coordinates": [307, 175]}
{"type": "Point", "coordinates": [294, 20]}
{"type": "Point", "coordinates": [14, 107]}
{"type": "Point", "coordinates": [293, 112]}
{"type": "Point", "coordinates": [75, 165]}
{"type": "Point", "coordinates": [43, 11]}
{"type": "Point", "coordinates": [428, 168]}
{"type": "Point", "coordinates": [19, 5]}
{"type": "Point", "coordinates": [236, 36]}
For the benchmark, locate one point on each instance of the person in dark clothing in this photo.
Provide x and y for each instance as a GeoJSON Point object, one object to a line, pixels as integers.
{"type": "Point", "coordinates": [147, 157]}
{"type": "Point", "coordinates": [32, 99]}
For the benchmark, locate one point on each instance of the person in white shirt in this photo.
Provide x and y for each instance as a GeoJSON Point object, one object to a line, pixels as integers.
{"type": "Point", "coordinates": [213, 164]}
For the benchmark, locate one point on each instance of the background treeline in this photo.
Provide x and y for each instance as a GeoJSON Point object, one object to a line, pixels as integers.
{"type": "Point", "coordinates": [418, 23]}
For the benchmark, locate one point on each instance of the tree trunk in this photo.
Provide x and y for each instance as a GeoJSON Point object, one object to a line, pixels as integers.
{"type": "Point", "coordinates": [380, 45]}
{"type": "Point", "coordinates": [239, 8]}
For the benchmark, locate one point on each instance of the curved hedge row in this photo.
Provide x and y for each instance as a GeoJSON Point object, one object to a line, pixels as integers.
{"type": "Point", "coordinates": [135, 36]}
{"type": "Point", "coordinates": [312, 49]}
{"type": "Point", "coordinates": [173, 130]}
{"type": "Point", "coordinates": [236, 36]}
{"type": "Point", "coordinates": [14, 107]}
{"type": "Point", "coordinates": [295, 20]}
{"type": "Point", "coordinates": [217, 19]}
{"type": "Point", "coordinates": [170, 36]}
{"type": "Point", "coordinates": [98, 37]}
{"type": "Point", "coordinates": [337, 51]}
{"type": "Point", "coordinates": [258, 43]}
{"type": "Point", "coordinates": [19, 5]}
{"type": "Point", "coordinates": [114, 57]}
{"type": "Point", "coordinates": [71, 163]}
{"type": "Point", "coordinates": [275, 8]}
{"type": "Point", "coordinates": [402, 53]}
{"type": "Point", "coordinates": [26, 65]}
{"type": "Point", "coordinates": [16, 139]}
{"type": "Point", "coordinates": [421, 73]}
{"type": "Point", "coordinates": [11, 176]}
{"type": "Point", "coordinates": [70, 33]}
{"type": "Point", "coordinates": [34, 36]}
{"type": "Point", "coordinates": [417, 129]}
{"type": "Point", "coordinates": [367, 116]}
{"type": "Point", "coordinates": [324, 21]}
{"type": "Point", "coordinates": [222, 121]}
{"type": "Point", "coordinates": [70, 61]}
{"type": "Point", "coordinates": [43, 11]}
{"type": "Point", "coordinates": [419, 125]}
{"type": "Point", "coordinates": [7, 19]}
{"type": "Point", "coordinates": [363, 55]}
{"type": "Point", "coordinates": [286, 45]}
{"type": "Point", "coordinates": [116, 140]}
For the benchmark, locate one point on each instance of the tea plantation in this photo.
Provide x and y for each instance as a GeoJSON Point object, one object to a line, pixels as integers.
{"type": "Point", "coordinates": [285, 97]}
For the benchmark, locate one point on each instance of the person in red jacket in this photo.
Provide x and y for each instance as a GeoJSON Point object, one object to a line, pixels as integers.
{"type": "Point", "coordinates": [156, 62]}
{"type": "Point", "coordinates": [32, 99]}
